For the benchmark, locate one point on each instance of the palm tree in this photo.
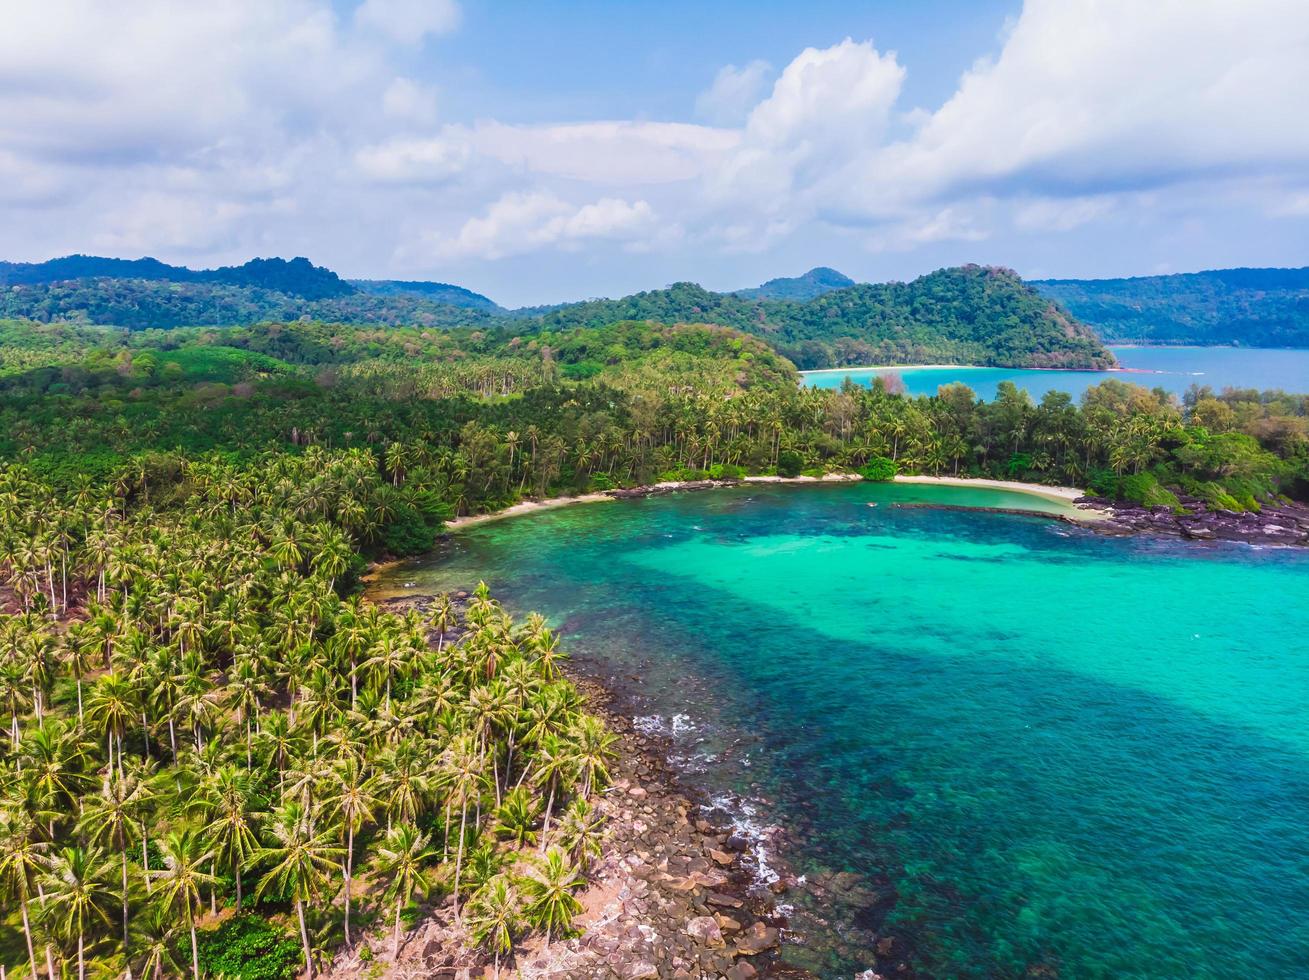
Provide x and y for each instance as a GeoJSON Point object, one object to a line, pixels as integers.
{"type": "Point", "coordinates": [304, 861]}
{"type": "Point", "coordinates": [401, 858]}
{"type": "Point", "coordinates": [494, 916]}
{"type": "Point", "coordinates": [79, 894]}
{"type": "Point", "coordinates": [155, 936]}
{"type": "Point", "coordinates": [580, 831]}
{"type": "Point", "coordinates": [549, 886]}
{"type": "Point", "coordinates": [230, 816]}
{"type": "Point", "coordinates": [24, 858]}
{"type": "Point", "coordinates": [111, 817]}
{"type": "Point", "coordinates": [181, 879]}
{"type": "Point", "coordinates": [353, 805]}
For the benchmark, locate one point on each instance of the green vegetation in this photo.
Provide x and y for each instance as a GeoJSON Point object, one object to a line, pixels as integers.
{"type": "Point", "coordinates": [1255, 307]}
{"type": "Point", "coordinates": [968, 315]}
{"type": "Point", "coordinates": [196, 720]}
{"type": "Point", "coordinates": [812, 284]}
{"type": "Point", "coordinates": [203, 721]}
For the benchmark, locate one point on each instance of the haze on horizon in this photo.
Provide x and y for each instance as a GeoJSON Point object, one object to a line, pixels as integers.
{"type": "Point", "coordinates": [540, 152]}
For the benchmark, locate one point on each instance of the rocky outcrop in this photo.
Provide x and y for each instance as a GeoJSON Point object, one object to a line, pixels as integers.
{"type": "Point", "coordinates": [1276, 523]}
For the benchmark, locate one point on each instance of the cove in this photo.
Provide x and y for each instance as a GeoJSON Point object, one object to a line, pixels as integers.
{"type": "Point", "coordinates": [1029, 748]}
{"type": "Point", "coordinates": [1172, 368]}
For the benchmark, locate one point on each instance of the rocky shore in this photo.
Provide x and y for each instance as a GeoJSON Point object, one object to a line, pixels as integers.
{"type": "Point", "coordinates": [675, 894]}
{"type": "Point", "coordinates": [1282, 524]}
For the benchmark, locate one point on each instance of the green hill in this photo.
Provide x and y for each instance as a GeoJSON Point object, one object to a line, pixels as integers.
{"type": "Point", "coordinates": [813, 283]}
{"type": "Point", "coordinates": [1256, 307]}
{"type": "Point", "coordinates": [968, 315]}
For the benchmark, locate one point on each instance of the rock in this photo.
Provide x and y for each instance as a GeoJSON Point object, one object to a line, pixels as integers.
{"type": "Point", "coordinates": [737, 844]}
{"type": "Point", "coordinates": [704, 930]}
{"type": "Point", "coordinates": [757, 939]}
{"type": "Point", "coordinates": [868, 975]}
{"type": "Point", "coordinates": [727, 924]}
{"type": "Point", "coordinates": [884, 946]}
{"type": "Point", "coordinates": [724, 901]}
{"type": "Point", "coordinates": [638, 970]}
{"type": "Point", "coordinates": [741, 971]}
{"type": "Point", "coordinates": [637, 792]}
{"type": "Point", "coordinates": [721, 857]}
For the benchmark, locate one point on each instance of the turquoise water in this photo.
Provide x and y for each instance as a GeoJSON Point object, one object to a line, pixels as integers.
{"type": "Point", "coordinates": [1172, 368]}
{"type": "Point", "coordinates": [1032, 747]}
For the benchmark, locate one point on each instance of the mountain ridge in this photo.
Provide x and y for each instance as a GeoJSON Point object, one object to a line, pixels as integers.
{"type": "Point", "coordinates": [1258, 307]}
{"type": "Point", "coordinates": [968, 314]}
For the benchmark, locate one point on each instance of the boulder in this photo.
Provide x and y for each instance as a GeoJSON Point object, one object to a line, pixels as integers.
{"type": "Point", "coordinates": [757, 939]}
{"type": "Point", "coordinates": [704, 929]}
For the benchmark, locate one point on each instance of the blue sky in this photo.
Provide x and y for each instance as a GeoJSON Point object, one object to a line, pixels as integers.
{"type": "Point", "coordinates": [540, 152]}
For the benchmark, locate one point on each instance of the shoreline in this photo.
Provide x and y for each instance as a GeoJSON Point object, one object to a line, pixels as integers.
{"type": "Point", "coordinates": [672, 894]}
{"type": "Point", "coordinates": [1061, 495]}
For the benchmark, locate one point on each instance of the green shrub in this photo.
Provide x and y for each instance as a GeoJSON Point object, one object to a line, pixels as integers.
{"type": "Point", "coordinates": [602, 481]}
{"type": "Point", "coordinates": [1145, 489]}
{"type": "Point", "coordinates": [249, 947]}
{"type": "Point", "coordinates": [726, 471]}
{"type": "Point", "coordinates": [408, 533]}
{"type": "Point", "coordinates": [789, 463]}
{"type": "Point", "coordinates": [879, 469]}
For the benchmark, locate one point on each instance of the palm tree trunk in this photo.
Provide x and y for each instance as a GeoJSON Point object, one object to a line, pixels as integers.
{"type": "Point", "coordinates": [304, 938]}
{"type": "Point", "coordinates": [126, 946]}
{"type": "Point", "coordinates": [459, 852]}
{"type": "Point", "coordinates": [349, 869]}
{"type": "Point", "coordinates": [27, 934]}
{"type": "Point", "coordinates": [50, 961]}
{"type": "Point", "coordinates": [395, 934]}
{"type": "Point", "coordinates": [545, 827]}
{"type": "Point", "coordinates": [195, 951]}
{"type": "Point", "coordinates": [81, 956]}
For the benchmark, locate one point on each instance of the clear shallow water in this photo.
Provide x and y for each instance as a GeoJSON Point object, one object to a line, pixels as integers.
{"type": "Point", "coordinates": [1173, 368]}
{"type": "Point", "coordinates": [1033, 746]}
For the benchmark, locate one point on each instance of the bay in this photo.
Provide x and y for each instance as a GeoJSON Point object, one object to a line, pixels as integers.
{"type": "Point", "coordinates": [1021, 746]}
{"type": "Point", "coordinates": [1172, 368]}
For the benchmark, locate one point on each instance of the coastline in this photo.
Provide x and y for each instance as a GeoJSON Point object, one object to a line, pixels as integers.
{"type": "Point", "coordinates": [1060, 495]}
{"type": "Point", "coordinates": [673, 893]}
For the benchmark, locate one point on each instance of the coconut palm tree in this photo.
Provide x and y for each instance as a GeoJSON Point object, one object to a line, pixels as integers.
{"type": "Point", "coordinates": [78, 894]}
{"type": "Point", "coordinates": [402, 859]}
{"type": "Point", "coordinates": [231, 813]}
{"type": "Point", "coordinates": [549, 887]}
{"type": "Point", "coordinates": [304, 861]}
{"type": "Point", "coordinates": [353, 805]}
{"type": "Point", "coordinates": [111, 817]}
{"type": "Point", "coordinates": [24, 858]}
{"type": "Point", "coordinates": [494, 916]}
{"type": "Point", "coordinates": [181, 878]}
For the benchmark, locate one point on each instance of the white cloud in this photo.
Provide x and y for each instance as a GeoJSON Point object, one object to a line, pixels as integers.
{"type": "Point", "coordinates": [734, 92]}
{"type": "Point", "coordinates": [221, 130]}
{"type": "Point", "coordinates": [1090, 97]}
{"type": "Point", "coordinates": [408, 21]}
{"type": "Point", "coordinates": [525, 222]}
{"type": "Point", "coordinates": [413, 160]}
{"type": "Point", "coordinates": [409, 101]}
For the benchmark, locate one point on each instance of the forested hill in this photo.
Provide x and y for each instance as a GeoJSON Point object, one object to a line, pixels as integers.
{"type": "Point", "coordinates": [297, 277]}
{"type": "Point", "coordinates": [813, 283]}
{"type": "Point", "coordinates": [438, 292]}
{"type": "Point", "coordinates": [967, 315]}
{"type": "Point", "coordinates": [1256, 307]}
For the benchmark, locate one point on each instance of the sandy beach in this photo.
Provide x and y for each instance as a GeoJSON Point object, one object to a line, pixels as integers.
{"type": "Point", "coordinates": [1062, 495]}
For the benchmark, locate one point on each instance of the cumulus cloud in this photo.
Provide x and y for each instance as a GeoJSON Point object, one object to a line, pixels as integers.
{"type": "Point", "coordinates": [217, 130]}
{"type": "Point", "coordinates": [408, 21]}
{"type": "Point", "coordinates": [525, 222]}
{"type": "Point", "coordinates": [420, 161]}
{"type": "Point", "coordinates": [409, 101]}
{"type": "Point", "coordinates": [733, 93]}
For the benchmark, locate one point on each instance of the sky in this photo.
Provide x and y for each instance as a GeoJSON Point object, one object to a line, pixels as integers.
{"type": "Point", "coordinates": [545, 151]}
